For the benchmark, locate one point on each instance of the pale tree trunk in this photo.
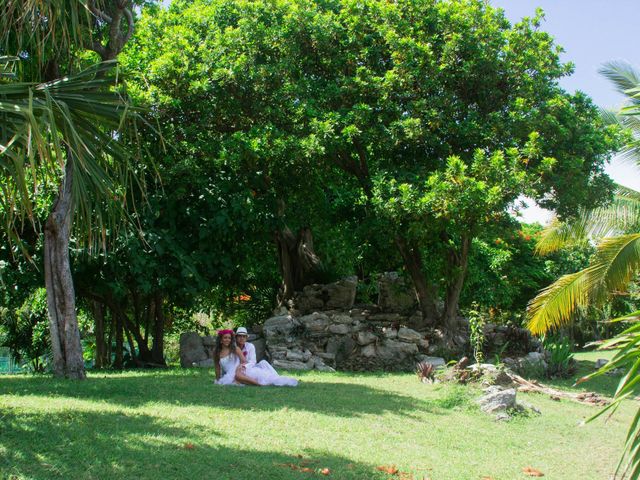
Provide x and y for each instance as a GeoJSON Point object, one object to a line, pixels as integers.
{"type": "Point", "coordinates": [425, 292]}
{"type": "Point", "coordinates": [457, 270]}
{"type": "Point", "coordinates": [61, 302]}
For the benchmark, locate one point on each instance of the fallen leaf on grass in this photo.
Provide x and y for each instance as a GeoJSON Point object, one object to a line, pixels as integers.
{"type": "Point", "coordinates": [325, 471]}
{"type": "Point", "coordinates": [486, 477]}
{"type": "Point", "coordinates": [390, 469]}
{"type": "Point", "coordinates": [532, 472]}
{"type": "Point", "coordinates": [189, 446]}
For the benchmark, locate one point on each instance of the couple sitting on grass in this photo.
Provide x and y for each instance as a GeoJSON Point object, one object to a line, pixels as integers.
{"type": "Point", "coordinates": [235, 361]}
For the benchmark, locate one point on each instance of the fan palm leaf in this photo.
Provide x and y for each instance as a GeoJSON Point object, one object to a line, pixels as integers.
{"type": "Point", "coordinates": [41, 124]}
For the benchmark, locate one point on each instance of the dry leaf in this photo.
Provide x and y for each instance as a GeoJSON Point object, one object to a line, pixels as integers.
{"type": "Point", "coordinates": [390, 469]}
{"type": "Point", "coordinates": [325, 471]}
{"type": "Point", "coordinates": [532, 472]}
{"type": "Point", "coordinates": [306, 469]}
{"type": "Point", "coordinates": [189, 446]}
{"type": "Point", "coordinates": [486, 477]}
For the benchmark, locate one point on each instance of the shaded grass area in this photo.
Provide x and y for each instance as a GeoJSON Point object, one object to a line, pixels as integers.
{"type": "Point", "coordinates": [176, 424]}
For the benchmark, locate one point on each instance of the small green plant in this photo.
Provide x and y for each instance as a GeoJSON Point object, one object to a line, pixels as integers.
{"type": "Point", "coordinates": [561, 363]}
{"type": "Point", "coordinates": [476, 335]}
{"type": "Point", "coordinates": [498, 355]}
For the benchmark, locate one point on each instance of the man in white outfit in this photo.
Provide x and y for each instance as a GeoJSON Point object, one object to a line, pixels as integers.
{"type": "Point", "coordinates": [248, 350]}
{"type": "Point", "coordinates": [255, 373]}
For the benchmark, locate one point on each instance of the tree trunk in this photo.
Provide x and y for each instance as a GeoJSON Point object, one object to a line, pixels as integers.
{"type": "Point", "coordinates": [297, 260]}
{"type": "Point", "coordinates": [61, 303]}
{"type": "Point", "coordinates": [425, 292]}
{"type": "Point", "coordinates": [157, 351]}
{"type": "Point", "coordinates": [457, 271]}
{"type": "Point", "coordinates": [101, 346]}
{"type": "Point", "coordinates": [119, 360]}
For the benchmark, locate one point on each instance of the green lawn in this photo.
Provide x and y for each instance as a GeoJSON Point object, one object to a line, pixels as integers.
{"type": "Point", "coordinates": [176, 424]}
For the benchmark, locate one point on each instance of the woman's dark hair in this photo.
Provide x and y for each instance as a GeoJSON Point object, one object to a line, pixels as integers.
{"type": "Point", "coordinates": [216, 352]}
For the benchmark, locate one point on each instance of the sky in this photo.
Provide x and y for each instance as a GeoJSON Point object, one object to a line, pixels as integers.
{"type": "Point", "coordinates": [592, 32]}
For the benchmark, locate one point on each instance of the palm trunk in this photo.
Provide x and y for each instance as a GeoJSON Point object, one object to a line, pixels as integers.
{"type": "Point", "coordinates": [425, 292]}
{"type": "Point", "coordinates": [61, 303]}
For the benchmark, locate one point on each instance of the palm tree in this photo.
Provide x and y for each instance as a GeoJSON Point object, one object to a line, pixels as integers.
{"type": "Point", "coordinates": [65, 130]}
{"type": "Point", "coordinates": [616, 263]}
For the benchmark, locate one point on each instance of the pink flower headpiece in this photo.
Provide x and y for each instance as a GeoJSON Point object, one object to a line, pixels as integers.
{"type": "Point", "coordinates": [224, 332]}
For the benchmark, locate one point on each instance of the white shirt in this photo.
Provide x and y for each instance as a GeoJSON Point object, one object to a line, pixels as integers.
{"type": "Point", "coordinates": [249, 352]}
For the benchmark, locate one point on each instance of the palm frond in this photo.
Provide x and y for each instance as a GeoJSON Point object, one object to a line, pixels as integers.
{"type": "Point", "coordinates": [81, 117]}
{"type": "Point", "coordinates": [559, 234]}
{"type": "Point", "coordinates": [615, 263]}
{"type": "Point", "coordinates": [624, 77]}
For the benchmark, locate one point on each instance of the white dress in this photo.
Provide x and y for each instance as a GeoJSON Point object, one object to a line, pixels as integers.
{"type": "Point", "coordinates": [263, 372]}
{"type": "Point", "coordinates": [228, 366]}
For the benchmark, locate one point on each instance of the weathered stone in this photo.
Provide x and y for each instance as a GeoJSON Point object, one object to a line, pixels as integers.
{"type": "Point", "coordinates": [191, 349]}
{"type": "Point", "coordinates": [261, 348]}
{"type": "Point", "coordinates": [340, 329]}
{"type": "Point", "coordinates": [279, 326]}
{"type": "Point", "coordinates": [321, 366]}
{"type": "Point", "coordinates": [342, 293]}
{"type": "Point", "coordinates": [391, 349]}
{"type": "Point", "coordinates": [534, 359]}
{"type": "Point", "coordinates": [315, 322]}
{"type": "Point", "coordinates": [341, 347]}
{"type": "Point", "coordinates": [209, 341]}
{"type": "Point", "coordinates": [395, 294]}
{"type": "Point", "coordinates": [208, 363]}
{"type": "Point", "coordinates": [498, 400]}
{"type": "Point", "coordinates": [295, 356]}
{"type": "Point", "coordinates": [327, 357]}
{"type": "Point", "coordinates": [369, 351]}
{"type": "Point", "coordinates": [365, 338]}
{"type": "Point", "coordinates": [408, 335]}
{"type": "Point", "coordinates": [435, 361]}
{"type": "Point", "coordinates": [423, 345]}
{"type": "Point", "coordinates": [385, 317]}
{"type": "Point", "coordinates": [289, 365]}
{"type": "Point", "coordinates": [390, 333]}
{"type": "Point", "coordinates": [341, 318]}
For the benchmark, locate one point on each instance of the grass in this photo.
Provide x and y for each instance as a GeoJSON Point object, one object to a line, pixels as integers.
{"type": "Point", "coordinates": [176, 424]}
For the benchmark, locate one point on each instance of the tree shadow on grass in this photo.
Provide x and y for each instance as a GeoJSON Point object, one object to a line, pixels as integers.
{"type": "Point", "coordinates": [114, 445]}
{"type": "Point", "coordinates": [195, 388]}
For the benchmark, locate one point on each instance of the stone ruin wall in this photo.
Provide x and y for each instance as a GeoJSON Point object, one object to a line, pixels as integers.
{"type": "Point", "coordinates": [323, 329]}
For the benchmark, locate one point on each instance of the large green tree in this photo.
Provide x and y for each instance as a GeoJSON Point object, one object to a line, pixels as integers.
{"type": "Point", "coordinates": [381, 99]}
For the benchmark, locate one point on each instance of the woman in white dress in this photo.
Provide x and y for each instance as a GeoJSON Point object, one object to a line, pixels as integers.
{"type": "Point", "coordinates": [262, 372]}
{"type": "Point", "coordinates": [228, 359]}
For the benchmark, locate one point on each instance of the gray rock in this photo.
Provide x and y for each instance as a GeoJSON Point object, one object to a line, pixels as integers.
{"type": "Point", "coordinates": [390, 333]}
{"type": "Point", "coordinates": [342, 293]}
{"type": "Point", "coordinates": [261, 348]}
{"type": "Point", "coordinates": [408, 335]}
{"type": "Point", "coordinates": [315, 322]}
{"type": "Point", "coordinates": [279, 326]}
{"type": "Point", "coordinates": [369, 351]}
{"type": "Point", "coordinates": [209, 341]}
{"type": "Point", "coordinates": [340, 329]}
{"type": "Point", "coordinates": [601, 362]}
{"type": "Point", "coordinates": [327, 357]}
{"type": "Point", "coordinates": [385, 317]}
{"type": "Point", "coordinates": [296, 356]}
{"type": "Point", "coordinates": [289, 365]}
{"type": "Point", "coordinates": [341, 318]}
{"type": "Point", "coordinates": [208, 363]}
{"type": "Point", "coordinates": [191, 349]}
{"type": "Point", "coordinates": [341, 347]}
{"type": "Point", "coordinates": [498, 400]}
{"type": "Point", "coordinates": [534, 359]}
{"type": "Point", "coordinates": [395, 293]}
{"type": "Point", "coordinates": [437, 362]}
{"type": "Point", "coordinates": [391, 350]}
{"type": "Point", "coordinates": [321, 366]}
{"type": "Point", "coordinates": [365, 338]}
